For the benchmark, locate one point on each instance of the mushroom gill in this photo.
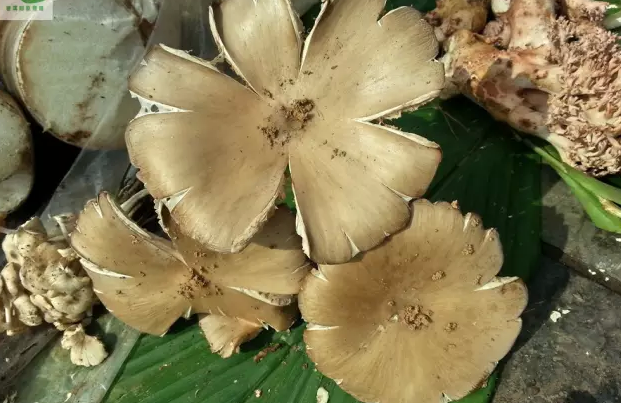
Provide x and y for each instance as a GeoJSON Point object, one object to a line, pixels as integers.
{"type": "Point", "coordinates": [204, 142]}
{"type": "Point", "coordinates": [149, 282]}
{"type": "Point", "coordinates": [421, 318]}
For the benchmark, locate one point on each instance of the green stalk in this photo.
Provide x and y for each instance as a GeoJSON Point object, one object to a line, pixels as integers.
{"type": "Point", "coordinates": [600, 200]}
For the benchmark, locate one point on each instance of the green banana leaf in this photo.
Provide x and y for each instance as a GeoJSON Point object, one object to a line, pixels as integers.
{"type": "Point", "coordinates": [484, 168]}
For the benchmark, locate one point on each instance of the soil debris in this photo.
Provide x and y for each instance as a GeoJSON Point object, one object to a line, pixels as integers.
{"type": "Point", "coordinates": [451, 327]}
{"type": "Point", "coordinates": [468, 250]}
{"type": "Point", "coordinates": [338, 153]}
{"type": "Point", "coordinates": [477, 281]}
{"type": "Point", "coordinates": [439, 275]}
{"type": "Point", "coordinates": [300, 111]}
{"type": "Point", "coordinates": [278, 130]}
{"type": "Point", "coordinates": [263, 353]}
{"type": "Point", "coordinates": [415, 318]}
{"type": "Point", "coordinates": [195, 283]}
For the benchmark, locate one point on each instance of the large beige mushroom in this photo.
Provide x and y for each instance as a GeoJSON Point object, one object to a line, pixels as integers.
{"type": "Point", "coordinates": [215, 151]}
{"type": "Point", "coordinates": [421, 318]}
{"type": "Point", "coordinates": [149, 282]}
{"type": "Point", "coordinates": [16, 168]}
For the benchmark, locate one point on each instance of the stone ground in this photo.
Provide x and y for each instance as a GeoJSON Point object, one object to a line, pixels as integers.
{"type": "Point", "coordinates": [576, 359]}
{"type": "Point", "coordinates": [573, 239]}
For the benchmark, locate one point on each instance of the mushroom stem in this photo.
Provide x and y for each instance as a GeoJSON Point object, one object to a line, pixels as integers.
{"type": "Point", "coordinates": [130, 204]}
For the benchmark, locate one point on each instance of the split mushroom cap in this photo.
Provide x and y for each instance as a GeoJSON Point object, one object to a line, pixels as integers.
{"type": "Point", "coordinates": [86, 351]}
{"type": "Point", "coordinates": [225, 334]}
{"type": "Point", "coordinates": [419, 318]}
{"type": "Point", "coordinates": [16, 170]}
{"type": "Point", "coordinates": [149, 282]}
{"type": "Point", "coordinates": [215, 151]}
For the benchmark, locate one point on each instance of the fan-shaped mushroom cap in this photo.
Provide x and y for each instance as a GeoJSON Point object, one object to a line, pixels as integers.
{"type": "Point", "coordinates": [419, 317]}
{"type": "Point", "coordinates": [147, 283]}
{"type": "Point", "coordinates": [352, 179]}
{"type": "Point", "coordinates": [86, 351]}
{"type": "Point", "coordinates": [16, 170]}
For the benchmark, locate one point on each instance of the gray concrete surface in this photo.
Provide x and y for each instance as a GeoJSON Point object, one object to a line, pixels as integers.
{"type": "Point", "coordinates": [572, 237]}
{"type": "Point", "coordinates": [575, 358]}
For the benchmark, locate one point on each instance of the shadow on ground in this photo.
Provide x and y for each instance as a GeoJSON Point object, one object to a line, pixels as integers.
{"type": "Point", "coordinates": [575, 358]}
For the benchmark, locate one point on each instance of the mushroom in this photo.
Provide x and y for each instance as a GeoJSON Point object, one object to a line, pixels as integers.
{"type": "Point", "coordinates": [225, 334]}
{"type": "Point", "coordinates": [149, 282]}
{"type": "Point", "coordinates": [86, 351]}
{"type": "Point", "coordinates": [47, 277]}
{"type": "Point", "coordinates": [352, 178]}
{"type": "Point", "coordinates": [557, 80]}
{"type": "Point", "coordinates": [19, 301]}
{"type": "Point", "coordinates": [71, 73]}
{"type": "Point", "coordinates": [420, 318]}
{"type": "Point", "coordinates": [452, 15]}
{"type": "Point", "coordinates": [16, 170]}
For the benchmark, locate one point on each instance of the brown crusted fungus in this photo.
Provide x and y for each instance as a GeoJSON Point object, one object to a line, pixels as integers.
{"type": "Point", "coordinates": [421, 318]}
{"type": "Point", "coordinates": [560, 82]}
{"type": "Point", "coordinates": [50, 274]}
{"type": "Point", "coordinates": [217, 155]}
{"type": "Point", "coordinates": [452, 15]}
{"type": "Point", "coordinates": [149, 282]}
{"type": "Point", "coordinates": [86, 351]}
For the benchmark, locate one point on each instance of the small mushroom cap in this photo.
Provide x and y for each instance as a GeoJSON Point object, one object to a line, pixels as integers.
{"type": "Point", "coordinates": [225, 335]}
{"type": "Point", "coordinates": [147, 283]}
{"type": "Point", "coordinates": [18, 298]}
{"type": "Point", "coordinates": [16, 169]}
{"type": "Point", "coordinates": [419, 317]}
{"type": "Point", "coordinates": [86, 351]}
{"type": "Point", "coordinates": [307, 104]}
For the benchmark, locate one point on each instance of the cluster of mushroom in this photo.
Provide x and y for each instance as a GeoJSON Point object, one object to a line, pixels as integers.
{"type": "Point", "coordinates": [43, 281]}
{"type": "Point", "coordinates": [213, 153]}
{"type": "Point", "coordinates": [549, 68]}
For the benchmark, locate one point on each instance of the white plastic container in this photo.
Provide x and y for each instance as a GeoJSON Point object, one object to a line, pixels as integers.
{"type": "Point", "coordinates": [71, 73]}
{"type": "Point", "coordinates": [16, 168]}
